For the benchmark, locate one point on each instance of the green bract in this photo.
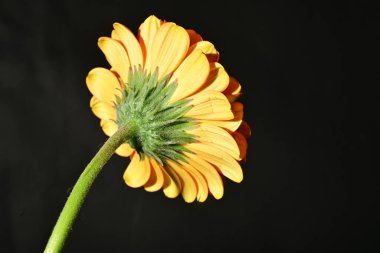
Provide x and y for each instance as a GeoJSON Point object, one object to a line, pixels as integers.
{"type": "Point", "coordinates": [157, 127]}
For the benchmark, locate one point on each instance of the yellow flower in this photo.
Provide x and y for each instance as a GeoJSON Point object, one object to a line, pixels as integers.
{"type": "Point", "coordinates": [168, 87]}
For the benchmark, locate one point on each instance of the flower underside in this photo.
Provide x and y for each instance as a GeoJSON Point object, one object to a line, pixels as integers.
{"type": "Point", "coordinates": [157, 127]}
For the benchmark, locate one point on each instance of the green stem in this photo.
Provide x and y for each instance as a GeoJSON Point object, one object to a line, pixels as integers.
{"type": "Point", "coordinates": [80, 190]}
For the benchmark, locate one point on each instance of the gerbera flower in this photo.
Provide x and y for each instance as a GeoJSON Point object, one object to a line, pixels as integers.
{"type": "Point", "coordinates": [167, 87]}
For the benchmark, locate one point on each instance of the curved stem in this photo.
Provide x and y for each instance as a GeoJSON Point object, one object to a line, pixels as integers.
{"type": "Point", "coordinates": [80, 190]}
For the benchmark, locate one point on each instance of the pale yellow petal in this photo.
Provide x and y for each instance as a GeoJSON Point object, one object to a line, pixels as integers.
{"type": "Point", "coordinates": [190, 75]}
{"type": "Point", "coordinates": [137, 172]}
{"type": "Point", "coordinates": [201, 182]}
{"type": "Point", "coordinates": [214, 181]}
{"type": "Point", "coordinates": [210, 105]}
{"type": "Point", "coordinates": [232, 125]}
{"type": "Point", "coordinates": [194, 36]}
{"type": "Point", "coordinates": [109, 127]}
{"type": "Point", "coordinates": [217, 79]}
{"type": "Point", "coordinates": [227, 165]}
{"type": "Point", "coordinates": [169, 47]}
{"type": "Point", "coordinates": [116, 56]}
{"type": "Point", "coordinates": [130, 43]}
{"type": "Point", "coordinates": [147, 31]}
{"type": "Point", "coordinates": [156, 179]}
{"type": "Point", "coordinates": [114, 35]}
{"type": "Point", "coordinates": [124, 150]}
{"type": "Point", "coordinates": [103, 84]}
{"type": "Point", "coordinates": [217, 137]}
{"type": "Point", "coordinates": [208, 49]}
{"type": "Point", "coordinates": [189, 187]}
{"type": "Point", "coordinates": [93, 101]}
{"type": "Point", "coordinates": [103, 110]}
{"type": "Point", "coordinates": [172, 184]}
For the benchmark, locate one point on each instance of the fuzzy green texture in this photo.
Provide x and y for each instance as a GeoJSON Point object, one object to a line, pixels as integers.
{"type": "Point", "coordinates": [80, 190]}
{"type": "Point", "coordinates": [158, 127]}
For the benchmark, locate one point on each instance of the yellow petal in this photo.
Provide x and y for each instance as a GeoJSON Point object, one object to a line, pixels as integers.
{"type": "Point", "coordinates": [189, 188]}
{"type": "Point", "coordinates": [103, 110]}
{"type": "Point", "coordinates": [124, 150]}
{"type": "Point", "coordinates": [147, 31]}
{"type": "Point", "coordinates": [242, 143]}
{"type": "Point", "coordinates": [233, 90]}
{"type": "Point", "coordinates": [109, 127]}
{"type": "Point", "coordinates": [93, 101]}
{"type": "Point", "coordinates": [229, 125]}
{"type": "Point", "coordinates": [130, 43]}
{"type": "Point", "coordinates": [208, 49]}
{"type": "Point", "coordinates": [156, 179]}
{"type": "Point", "coordinates": [114, 35]}
{"type": "Point", "coordinates": [199, 179]}
{"type": "Point", "coordinates": [214, 181]}
{"type": "Point", "coordinates": [116, 56]}
{"type": "Point", "coordinates": [190, 75]}
{"type": "Point", "coordinates": [172, 184]}
{"type": "Point", "coordinates": [232, 125]}
{"type": "Point", "coordinates": [137, 172]}
{"type": "Point", "coordinates": [228, 166]}
{"type": "Point", "coordinates": [169, 47]}
{"type": "Point", "coordinates": [217, 79]}
{"type": "Point", "coordinates": [217, 137]}
{"type": "Point", "coordinates": [210, 105]}
{"type": "Point", "coordinates": [103, 84]}
{"type": "Point", "coordinates": [194, 36]}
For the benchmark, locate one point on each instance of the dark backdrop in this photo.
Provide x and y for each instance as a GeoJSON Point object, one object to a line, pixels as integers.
{"type": "Point", "coordinates": [307, 73]}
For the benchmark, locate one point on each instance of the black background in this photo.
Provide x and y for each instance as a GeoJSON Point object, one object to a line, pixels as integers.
{"type": "Point", "coordinates": [307, 70]}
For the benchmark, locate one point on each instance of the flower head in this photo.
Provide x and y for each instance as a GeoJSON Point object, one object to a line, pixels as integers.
{"type": "Point", "coordinates": [178, 102]}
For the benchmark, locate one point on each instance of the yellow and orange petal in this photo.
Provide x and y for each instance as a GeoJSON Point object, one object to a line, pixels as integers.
{"type": "Point", "coordinates": [192, 63]}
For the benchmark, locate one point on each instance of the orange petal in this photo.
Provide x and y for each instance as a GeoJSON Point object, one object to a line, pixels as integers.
{"type": "Point", "coordinates": [124, 150]}
{"type": "Point", "coordinates": [109, 127]}
{"type": "Point", "coordinates": [208, 105]}
{"type": "Point", "coordinates": [190, 75]}
{"type": "Point", "coordinates": [137, 172]}
{"type": "Point", "coordinates": [189, 188]}
{"type": "Point", "coordinates": [233, 90]}
{"type": "Point", "coordinates": [169, 47]}
{"type": "Point", "coordinates": [102, 110]}
{"type": "Point", "coordinates": [147, 31]}
{"type": "Point", "coordinates": [217, 79]}
{"type": "Point", "coordinates": [232, 125]}
{"type": "Point", "coordinates": [156, 179]}
{"type": "Point", "coordinates": [228, 166]}
{"type": "Point", "coordinates": [212, 176]}
{"type": "Point", "coordinates": [245, 129]}
{"type": "Point", "coordinates": [237, 109]}
{"type": "Point", "coordinates": [208, 49]}
{"type": "Point", "coordinates": [217, 137]}
{"type": "Point", "coordinates": [242, 143]}
{"type": "Point", "coordinates": [116, 56]}
{"type": "Point", "coordinates": [130, 43]}
{"type": "Point", "coordinates": [172, 184]}
{"type": "Point", "coordinates": [199, 179]}
{"type": "Point", "coordinates": [194, 36]}
{"type": "Point", "coordinates": [103, 84]}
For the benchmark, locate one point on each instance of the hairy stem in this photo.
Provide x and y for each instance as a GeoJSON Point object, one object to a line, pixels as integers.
{"type": "Point", "coordinates": [80, 190]}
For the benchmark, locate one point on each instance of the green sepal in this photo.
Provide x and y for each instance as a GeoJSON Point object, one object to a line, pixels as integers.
{"type": "Point", "coordinates": [159, 128]}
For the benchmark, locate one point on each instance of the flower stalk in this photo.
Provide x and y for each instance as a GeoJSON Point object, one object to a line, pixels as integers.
{"type": "Point", "coordinates": [80, 190]}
